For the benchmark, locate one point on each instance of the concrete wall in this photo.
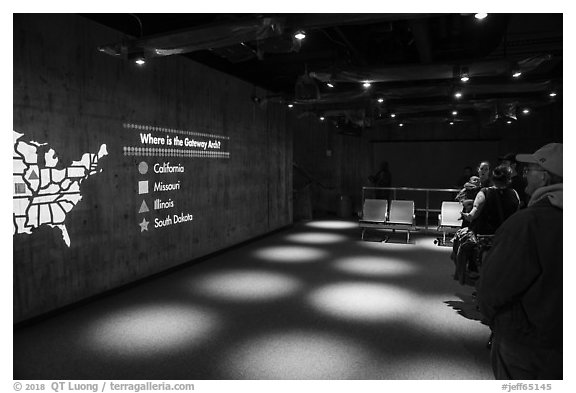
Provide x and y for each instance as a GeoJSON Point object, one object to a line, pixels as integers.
{"type": "Point", "coordinates": [339, 165]}
{"type": "Point", "coordinates": [75, 99]}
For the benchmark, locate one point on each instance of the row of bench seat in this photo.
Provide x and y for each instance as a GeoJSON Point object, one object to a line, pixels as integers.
{"type": "Point", "coordinates": [400, 216]}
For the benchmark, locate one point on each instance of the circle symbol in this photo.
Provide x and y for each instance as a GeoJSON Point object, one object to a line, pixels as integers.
{"type": "Point", "coordinates": [143, 168]}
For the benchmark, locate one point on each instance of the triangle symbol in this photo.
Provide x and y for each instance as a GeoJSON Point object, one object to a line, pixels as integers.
{"type": "Point", "coordinates": [143, 207]}
{"type": "Point", "coordinates": [33, 175]}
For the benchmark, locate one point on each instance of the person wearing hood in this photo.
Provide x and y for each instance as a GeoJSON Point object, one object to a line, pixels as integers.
{"type": "Point", "coordinates": [520, 287]}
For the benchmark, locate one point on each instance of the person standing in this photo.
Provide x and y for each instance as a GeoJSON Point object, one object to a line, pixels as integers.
{"type": "Point", "coordinates": [520, 287]}
{"type": "Point", "coordinates": [383, 178]}
{"type": "Point", "coordinates": [517, 182]}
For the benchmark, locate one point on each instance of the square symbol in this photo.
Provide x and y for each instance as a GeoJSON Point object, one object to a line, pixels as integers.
{"type": "Point", "coordinates": [20, 188]}
{"type": "Point", "coordinates": [143, 187]}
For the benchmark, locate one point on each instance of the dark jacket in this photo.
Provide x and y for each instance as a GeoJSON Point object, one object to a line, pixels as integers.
{"type": "Point", "coordinates": [499, 204]}
{"type": "Point", "coordinates": [520, 286]}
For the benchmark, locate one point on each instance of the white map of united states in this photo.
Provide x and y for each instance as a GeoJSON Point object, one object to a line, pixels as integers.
{"type": "Point", "coordinates": [44, 195]}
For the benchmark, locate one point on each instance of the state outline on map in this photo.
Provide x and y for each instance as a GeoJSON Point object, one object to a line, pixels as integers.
{"type": "Point", "coordinates": [38, 199]}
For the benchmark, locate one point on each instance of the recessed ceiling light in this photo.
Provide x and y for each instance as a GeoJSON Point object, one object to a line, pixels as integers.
{"type": "Point", "coordinates": [380, 100]}
{"type": "Point", "coordinates": [480, 16]}
{"type": "Point", "coordinates": [290, 105]}
{"type": "Point", "coordinates": [401, 124]}
{"type": "Point", "coordinates": [553, 94]}
{"type": "Point", "coordinates": [366, 84]}
{"type": "Point", "coordinates": [516, 74]}
{"type": "Point", "coordinates": [451, 123]}
{"type": "Point", "coordinates": [458, 94]}
{"type": "Point", "coordinates": [299, 35]}
{"type": "Point", "coordinates": [454, 113]}
{"type": "Point", "coordinates": [392, 114]}
{"type": "Point", "coordinates": [140, 61]}
{"type": "Point", "coordinates": [509, 122]}
{"type": "Point", "coordinates": [329, 84]}
{"type": "Point", "coordinates": [321, 118]}
{"type": "Point", "coordinates": [526, 111]}
{"type": "Point", "coordinates": [465, 78]}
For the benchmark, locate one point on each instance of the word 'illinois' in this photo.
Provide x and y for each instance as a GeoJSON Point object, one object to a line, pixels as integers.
{"type": "Point", "coordinates": [160, 204]}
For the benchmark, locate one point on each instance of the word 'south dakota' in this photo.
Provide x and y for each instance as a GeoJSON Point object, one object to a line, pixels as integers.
{"type": "Point", "coordinates": [173, 220]}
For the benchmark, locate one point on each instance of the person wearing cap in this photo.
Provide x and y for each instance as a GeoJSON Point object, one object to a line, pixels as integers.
{"type": "Point", "coordinates": [517, 181]}
{"type": "Point", "coordinates": [520, 287]}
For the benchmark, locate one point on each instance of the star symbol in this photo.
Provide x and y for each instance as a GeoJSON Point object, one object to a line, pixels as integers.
{"type": "Point", "coordinates": [144, 225]}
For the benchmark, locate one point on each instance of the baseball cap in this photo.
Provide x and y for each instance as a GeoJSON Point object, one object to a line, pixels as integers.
{"type": "Point", "coordinates": [548, 157]}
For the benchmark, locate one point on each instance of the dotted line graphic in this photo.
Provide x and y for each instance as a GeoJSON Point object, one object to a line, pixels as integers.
{"type": "Point", "coordinates": [145, 127]}
{"type": "Point", "coordinates": [170, 152]}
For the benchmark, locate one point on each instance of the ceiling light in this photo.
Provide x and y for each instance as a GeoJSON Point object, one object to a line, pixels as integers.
{"type": "Point", "coordinates": [480, 16]}
{"type": "Point", "coordinates": [329, 85]}
{"type": "Point", "coordinates": [451, 123]}
{"type": "Point", "coordinates": [458, 94]}
{"type": "Point", "coordinates": [526, 111]}
{"type": "Point", "coordinates": [299, 35]}
{"type": "Point", "coordinates": [290, 105]}
{"type": "Point", "coordinates": [321, 118]}
{"type": "Point", "coordinates": [464, 75]}
{"type": "Point", "coordinates": [454, 113]}
{"type": "Point", "coordinates": [140, 60]}
{"type": "Point", "coordinates": [392, 114]}
{"type": "Point", "coordinates": [516, 71]}
{"type": "Point", "coordinates": [366, 84]}
{"type": "Point", "coordinates": [380, 100]}
{"type": "Point", "coordinates": [553, 94]}
{"type": "Point", "coordinates": [509, 122]}
{"type": "Point", "coordinates": [401, 124]}
{"type": "Point", "coordinates": [137, 57]}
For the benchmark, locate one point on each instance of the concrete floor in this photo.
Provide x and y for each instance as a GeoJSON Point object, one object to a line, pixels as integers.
{"type": "Point", "coordinates": [309, 302]}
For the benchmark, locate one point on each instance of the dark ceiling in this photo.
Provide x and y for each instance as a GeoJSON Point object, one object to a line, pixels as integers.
{"type": "Point", "coordinates": [413, 61]}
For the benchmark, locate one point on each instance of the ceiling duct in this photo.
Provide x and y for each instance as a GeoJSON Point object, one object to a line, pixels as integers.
{"type": "Point", "coordinates": [503, 112]}
{"type": "Point", "coordinates": [415, 72]}
{"type": "Point", "coordinates": [306, 88]}
{"type": "Point", "coordinates": [211, 36]}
